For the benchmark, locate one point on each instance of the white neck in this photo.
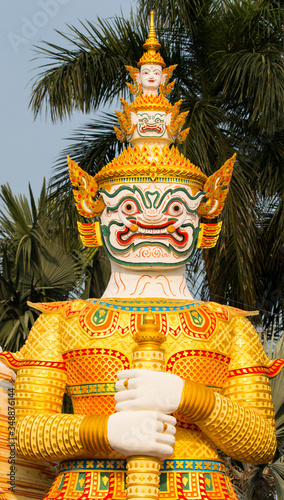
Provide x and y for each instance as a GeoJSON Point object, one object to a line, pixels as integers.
{"type": "Point", "coordinates": [150, 92]}
{"type": "Point", "coordinates": [165, 284]}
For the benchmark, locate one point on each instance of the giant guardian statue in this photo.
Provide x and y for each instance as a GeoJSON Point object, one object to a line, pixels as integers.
{"type": "Point", "coordinates": [159, 381]}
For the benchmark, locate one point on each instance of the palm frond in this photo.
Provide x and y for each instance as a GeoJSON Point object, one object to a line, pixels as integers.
{"type": "Point", "coordinates": [95, 145]}
{"type": "Point", "coordinates": [90, 73]}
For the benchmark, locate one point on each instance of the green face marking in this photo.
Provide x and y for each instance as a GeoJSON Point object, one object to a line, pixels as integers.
{"type": "Point", "coordinates": [150, 124]}
{"type": "Point", "coordinates": [150, 224]}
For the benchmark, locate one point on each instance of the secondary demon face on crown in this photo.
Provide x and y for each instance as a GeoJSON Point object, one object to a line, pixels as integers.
{"type": "Point", "coordinates": [150, 225]}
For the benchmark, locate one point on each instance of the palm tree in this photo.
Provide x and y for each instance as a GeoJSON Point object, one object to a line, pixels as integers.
{"type": "Point", "coordinates": [230, 77]}
{"type": "Point", "coordinates": [42, 260]}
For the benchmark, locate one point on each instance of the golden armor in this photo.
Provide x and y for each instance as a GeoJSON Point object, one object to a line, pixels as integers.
{"type": "Point", "coordinates": [81, 345]}
{"type": "Point", "coordinates": [150, 201]}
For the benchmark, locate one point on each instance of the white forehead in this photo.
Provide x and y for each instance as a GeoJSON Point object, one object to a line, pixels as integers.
{"type": "Point", "coordinates": [151, 67]}
{"type": "Point", "coordinates": [160, 190]}
{"type": "Point", "coordinates": [161, 187]}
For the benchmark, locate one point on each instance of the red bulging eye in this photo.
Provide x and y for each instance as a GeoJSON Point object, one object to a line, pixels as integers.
{"type": "Point", "coordinates": [129, 207]}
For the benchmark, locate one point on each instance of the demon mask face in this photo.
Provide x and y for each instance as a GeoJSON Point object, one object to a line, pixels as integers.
{"type": "Point", "coordinates": [150, 225]}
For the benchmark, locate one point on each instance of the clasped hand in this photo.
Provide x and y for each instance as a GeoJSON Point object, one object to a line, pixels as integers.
{"type": "Point", "coordinates": [148, 390]}
{"type": "Point", "coordinates": [142, 424]}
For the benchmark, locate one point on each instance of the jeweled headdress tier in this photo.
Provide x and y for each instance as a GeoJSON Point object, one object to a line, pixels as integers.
{"type": "Point", "coordinates": [153, 160]}
{"type": "Point", "coordinates": [151, 46]}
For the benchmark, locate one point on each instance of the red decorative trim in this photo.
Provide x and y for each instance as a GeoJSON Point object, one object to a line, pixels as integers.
{"type": "Point", "coordinates": [136, 320]}
{"type": "Point", "coordinates": [195, 353]}
{"type": "Point", "coordinates": [69, 307]}
{"type": "Point", "coordinates": [8, 358]}
{"type": "Point", "coordinates": [203, 332]}
{"type": "Point", "coordinates": [50, 306]}
{"type": "Point", "coordinates": [175, 332]}
{"type": "Point", "coordinates": [103, 330]}
{"type": "Point", "coordinates": [75, 306]}
{"type": "Point", "coordinates": [240, 312]}
{"type": "Point", "coordinates": [97, 352]}
{"type": "Point", "coordinates": [269, 371]}
{"type": "Point", "coordinates": [123, 331]}
{"type": "Point", "coordinates": [62, 492]}
{"type": "Point", "coordinates": [111, 483]}
{"type": "Point", "coordinates": [223, 314]}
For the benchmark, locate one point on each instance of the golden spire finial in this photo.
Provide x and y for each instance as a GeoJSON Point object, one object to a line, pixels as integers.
{"type": "Point", "coordinates": [149, 332]}
{"type": "Point", "coordinates": [151, 46]}
{"type": "Point", "coordinates": [152, 42]}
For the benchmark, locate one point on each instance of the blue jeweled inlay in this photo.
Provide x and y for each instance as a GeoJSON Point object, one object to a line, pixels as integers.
{"type": "Point", "coordinates": [98, 389]}
{"type": "Point", "coordinates": [120, 465]}
{"type": "Point", "coordinates": [156, 306]}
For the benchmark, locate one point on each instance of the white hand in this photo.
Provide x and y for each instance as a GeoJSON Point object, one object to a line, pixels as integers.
{"type": "Point", "coordinates": [148, 390]}
{"type": "Point", "coordinates": [142, 433]}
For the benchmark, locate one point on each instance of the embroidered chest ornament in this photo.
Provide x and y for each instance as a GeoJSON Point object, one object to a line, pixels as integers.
{"type": "Point", "coordinates": [150, 199]}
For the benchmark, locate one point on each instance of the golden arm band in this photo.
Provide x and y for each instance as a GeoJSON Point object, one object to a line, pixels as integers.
{"type": "Point", "coordinates": [240, 432]}
{"type": "Point", "coordinates": [49, 436]}
{"type": "Point", "coordinates": [39, 390]}
{"type": "Point", "coordinates": [93, 433]}
{"type": "Point", "coordinates": [197, 401]}
{"type": "Point", "coordinates": [251, 391]}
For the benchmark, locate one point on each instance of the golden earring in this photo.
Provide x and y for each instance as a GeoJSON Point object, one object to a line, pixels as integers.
{"type": "Point", "coordinates": [90, 234]}
{"type": "Point", "coordinates": [208, 235]}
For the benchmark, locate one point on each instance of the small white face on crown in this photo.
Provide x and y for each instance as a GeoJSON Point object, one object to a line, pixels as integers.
{"type": "Point", "coordinates": [151, 77]}
{"type": "Point", "coordinates": [151, 225]}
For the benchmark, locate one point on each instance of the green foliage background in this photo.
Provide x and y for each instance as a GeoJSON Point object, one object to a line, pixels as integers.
{"type": "Point", "coordinates": [231, 79]}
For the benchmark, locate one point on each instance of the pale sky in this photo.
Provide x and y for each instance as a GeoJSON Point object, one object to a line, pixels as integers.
{"type": "Point", "coordinates": [29, 148]}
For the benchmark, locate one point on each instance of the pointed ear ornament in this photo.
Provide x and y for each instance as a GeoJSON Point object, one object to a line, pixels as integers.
{"type": "Point", "coordinates": [90, 234]}
{"type": "Point", "coordinates": [216, 190]}
{"type": "Point", "coordinates": [166, 88]}
{"type": "Point", "coordinates": [87, 189]}
{"type": "Point", "coordinates": [135, 89]}
{"type": "Point", "coordinates": [208, 235]}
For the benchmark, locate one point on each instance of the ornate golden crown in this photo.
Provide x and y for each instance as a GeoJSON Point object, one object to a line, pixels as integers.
{"type": "Point", "coordinates": [149, 101]}
{"type": "Point", "coordinates": [151, 46]}
{"type": "Point", "coordinates": [147, 164]}
{"type": "Point", "coordinates": [155, 163]}
{"type": "Point", "coordinates": [151, 57]}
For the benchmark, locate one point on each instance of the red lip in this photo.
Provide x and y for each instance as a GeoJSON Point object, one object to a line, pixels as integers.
{"type": "Point", "coordinates": [161, 226]}
{"type": "Point", "coordinates": [151, 128]}
{"type": "Point", "coordinates": [126, 231]}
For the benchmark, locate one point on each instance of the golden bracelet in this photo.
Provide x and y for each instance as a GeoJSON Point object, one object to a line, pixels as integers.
{"type": "Point", "coordinates": [197, 401]}
{"type": "Point", "coordinates": [93, 433]}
